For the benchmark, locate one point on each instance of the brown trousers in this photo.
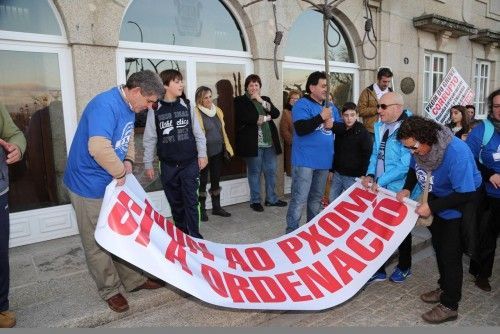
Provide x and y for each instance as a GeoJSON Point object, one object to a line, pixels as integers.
{"type": "Point", "coordinates": [108, 271]}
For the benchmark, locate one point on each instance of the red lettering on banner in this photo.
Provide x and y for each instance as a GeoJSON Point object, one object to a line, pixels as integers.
{"type": "Point", "coordinates": [342, 262]}
{"type": "Point", "coordinates": [184, 240]}
{"type": "Point", "coordinates": [238, 285]}
{"type": "Point", "coordinates": [175, 253]}
{"type": "Point", "coordinates": [385, 209]}
{"type": "Point", "coordinates": [445, 95]}
{"type": "Point", "coordinates": [214, 279]}
{"type": "Point", "coordinates": [159, 219]}
{"type": "Point", "coordinates": [365, 253]}
{"type": "Point", "coordinates": [289, 247]}
{"type": "Point", "coordinates": [290, 287]}
{"type": "Point", "coordinates": [176, 234]}
{"type": "Point", "coordinates": [144, 233]}
{"type": "Point", "coordinates": [120, 220]}
{"type": "Point", "coordinates": [265, 286]}
{"type": "Point", "coordinates": [195, 246]}
{"type": "Point", "coordinates": [259, 258]}
{"type": "Point", "coordinates": [346, 208]}
{"type": "Point", "coordinates": [234, 258]}
{"type": "Point", "coordinates": [143, 237]}
{"type": "Point", "coordinates": [378, 229]}
{"type": "Point", "coordinates": [333, 224]}
{"type": "Point", "coordinates": [321, 276]}
{"type": "Point", "coordinates": [313, 237]}
{"type": "Point", "coordinates": [128, 202]}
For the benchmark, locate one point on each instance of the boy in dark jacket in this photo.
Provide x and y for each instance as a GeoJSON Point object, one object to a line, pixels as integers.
{"type": "Point", "coordinates": [353, 148]}
{"type": "Point", "coordinates": [174, 131]}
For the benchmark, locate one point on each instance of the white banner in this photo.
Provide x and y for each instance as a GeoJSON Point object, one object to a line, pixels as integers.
{"type": "Point", "coordinates": [320, 265]}
{"type": "Point", "coordinates": [452, 91]}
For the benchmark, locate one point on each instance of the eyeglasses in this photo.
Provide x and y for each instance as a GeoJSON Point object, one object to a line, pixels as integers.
{"type": "Point", "coordinates": [149, 100]}
{"type": "Point", "coordinates": [385, 106]}
{"type": "Point", "coordinates": [414, 147]}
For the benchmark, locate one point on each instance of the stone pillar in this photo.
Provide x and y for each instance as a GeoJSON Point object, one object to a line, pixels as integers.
{"type": "Point", "coordinates": [92, 29]}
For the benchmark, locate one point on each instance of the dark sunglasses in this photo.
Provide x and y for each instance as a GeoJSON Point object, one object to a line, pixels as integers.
{"type": "Point", "coordinates": [385, 106]}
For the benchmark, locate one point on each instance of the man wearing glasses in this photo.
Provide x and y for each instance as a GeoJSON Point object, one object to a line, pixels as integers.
{"type": "Point", "coordinates": [103, 150]}
{"type": "Point", "coordinates": [388, 167]}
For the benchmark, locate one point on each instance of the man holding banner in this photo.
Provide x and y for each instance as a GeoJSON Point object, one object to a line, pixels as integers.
{"type": "Point", "coordinates": [312, 150]}
{"type": "Point", "coordinates": [388, 166]}
{"type": "Point", "coordinates": [103, 151]}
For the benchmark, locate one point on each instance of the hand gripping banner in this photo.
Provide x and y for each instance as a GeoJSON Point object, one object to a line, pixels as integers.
{"type": "Point", "coordinates": [322, 264]}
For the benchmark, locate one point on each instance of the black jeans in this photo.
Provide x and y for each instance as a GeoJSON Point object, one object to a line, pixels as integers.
{"type": "Point", "coordinates": [180, 184]}
{"type": "Point", "coordinates": [489, 228]}
{"type": "Point", "coordinates": [215, 167]}
{"type": "Point", "coordinates": [447, 246]}
{"type": "Point", "coordinates": [4, 252]}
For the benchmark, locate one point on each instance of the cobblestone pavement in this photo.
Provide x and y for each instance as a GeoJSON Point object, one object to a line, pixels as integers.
{"type": "Point", "coordinates": [383, 304]}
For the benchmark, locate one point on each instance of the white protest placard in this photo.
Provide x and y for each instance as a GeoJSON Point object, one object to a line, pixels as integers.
{"type": "Point", "coordinates": [453, 90]}
{"type": "Point", "coordinates": [322, 264]}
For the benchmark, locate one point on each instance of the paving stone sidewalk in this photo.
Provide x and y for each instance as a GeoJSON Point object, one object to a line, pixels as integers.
{"type": "Point", "coordinates": [51, 287]}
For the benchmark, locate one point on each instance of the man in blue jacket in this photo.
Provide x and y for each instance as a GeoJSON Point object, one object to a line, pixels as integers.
{"type": "Point", "coordinates": [102, 150]}
{"type": "Point", "coordinates": [312, 150]}
{"type": "Point", "coordinates": [388, 167]}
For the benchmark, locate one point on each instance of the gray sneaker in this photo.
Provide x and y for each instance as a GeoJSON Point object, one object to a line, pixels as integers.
{"type": "Point", "coordinates": [439, 314]}
{"type": "Point", "coordinates": [433, 296]}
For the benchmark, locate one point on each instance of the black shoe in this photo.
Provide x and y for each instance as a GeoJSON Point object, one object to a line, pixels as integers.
{"type": "Point", "coordinates": [277, 203]}
{"type": "Point", "coordinates": [203, 215]}
{"type": "Point", "coordinates": [483, 284]}
{"type": "Point", "coordinates": [257, 207]}
{"type": "Point", "coordinates": [220, 212]}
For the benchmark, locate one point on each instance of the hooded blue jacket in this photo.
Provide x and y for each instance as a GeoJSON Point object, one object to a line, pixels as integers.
{"type": "Point", "coordinates": [396, 160]}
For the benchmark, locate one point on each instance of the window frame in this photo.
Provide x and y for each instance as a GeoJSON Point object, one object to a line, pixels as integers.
{"type": "Point", "coordinates": [34, 37]}
{"type": "Point", "coordinates": [481, 106]}
{"type": "Point", "coordinates": [312, 65]}
{"type": "Point", "coordinates": [432, 56]}
{"type": "Point", "coordinates": [190, 55]}
{"type": "Point", "coordinates": [36, 225]}
{"type": "Point", "coordinates": [65, 75]}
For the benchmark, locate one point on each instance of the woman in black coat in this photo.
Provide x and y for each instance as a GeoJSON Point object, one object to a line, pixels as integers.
{"type": "Point", "coordinates": [257, 141]}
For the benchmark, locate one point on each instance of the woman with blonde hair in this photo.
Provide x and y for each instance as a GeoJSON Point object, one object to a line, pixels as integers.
{"type": "Point", "coordinates": [211, 119]}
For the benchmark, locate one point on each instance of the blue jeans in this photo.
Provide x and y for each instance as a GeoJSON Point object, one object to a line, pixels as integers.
{"type": "Point", "coordinates": [340, 183]}
{"type": "Point", "coordinates": [308, 186]}
{"type": "Point", "coordinates": [265, 162]}
{"type": "Point", "coordinates": [4, 252]}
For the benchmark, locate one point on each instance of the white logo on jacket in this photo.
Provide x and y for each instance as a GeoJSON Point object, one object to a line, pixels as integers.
{"type": "Point", "coordinates": [166, 126]}
{"type": "Point", "coordinates": [422, 176]}
{"type": "Point", "coordinates": [122, 143]}
{"type": "Point", "coordinates": [321, 128]}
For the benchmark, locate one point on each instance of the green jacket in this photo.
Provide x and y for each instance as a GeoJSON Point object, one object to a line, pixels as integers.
{"type": "Point", "coordinates": [11, 134]}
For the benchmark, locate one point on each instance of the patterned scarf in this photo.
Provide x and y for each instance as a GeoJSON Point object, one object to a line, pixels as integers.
{"type": "Point", "coordinates": [266, 130]}
{"type": "Point", "coordinates": [433, 159]}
